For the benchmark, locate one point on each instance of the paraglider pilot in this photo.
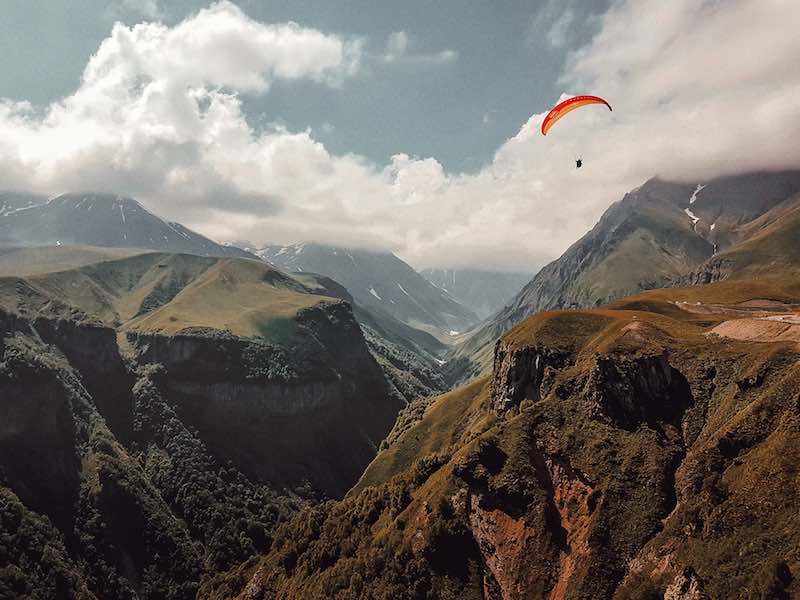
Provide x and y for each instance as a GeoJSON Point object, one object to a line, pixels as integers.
{"type": "Point", "coordinates": [567, 106]}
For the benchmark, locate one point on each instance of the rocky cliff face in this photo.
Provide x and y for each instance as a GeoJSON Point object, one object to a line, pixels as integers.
{"type": "Point", "coordinates": [105, 520]}
{"type": "Point", "coordinates": [628, 390]}
{"type": "Point", "coordinates": [520, 374]}
{"type": "Point", "coordinates": [324, 398]}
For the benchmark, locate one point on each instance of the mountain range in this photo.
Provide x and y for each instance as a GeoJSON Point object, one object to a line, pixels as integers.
{"type": "Point", "coordinates": [483, 292]}
{"type": "Point", "coordinates": [620, 452]}
{"type": "Point", "coordinates": [654, 237]}
{"type": "Point", "coordinates": [645, 448]}
{"type": "Point", "coordinates": [378, 281]}
{"type": "Point", "coordinates": [190, 420]}
{"type": "Point", "coordinates": [91, 227]}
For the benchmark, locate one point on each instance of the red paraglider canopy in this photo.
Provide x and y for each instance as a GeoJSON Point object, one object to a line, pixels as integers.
{"type": "Point", "coordinates": [567, 106]}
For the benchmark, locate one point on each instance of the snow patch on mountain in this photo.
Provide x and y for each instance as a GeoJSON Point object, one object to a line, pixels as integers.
{"type": "Point", "coordinates": [693, 217]}
{"type": "Point", "coordinates": [697, 190]}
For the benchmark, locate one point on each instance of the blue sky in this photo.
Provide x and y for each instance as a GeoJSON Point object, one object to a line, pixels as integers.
{"type": "Point", "coordinates": [505, 66]}
{"type": "Point", "coordinates": [410, 127]}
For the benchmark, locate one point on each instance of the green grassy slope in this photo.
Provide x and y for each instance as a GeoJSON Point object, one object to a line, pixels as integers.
{"type": "Point", "coordinates": [244, 297]}
{"type": "Point", "coordinates": [165, 293]}
{"type": "Point", "coordinates": [37, 260]}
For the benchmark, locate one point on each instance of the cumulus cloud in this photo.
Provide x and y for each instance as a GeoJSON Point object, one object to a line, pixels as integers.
{"type": "Point", "coordinates": [699, 89]}
{"type": "Point", "coordinates": [157, 112]}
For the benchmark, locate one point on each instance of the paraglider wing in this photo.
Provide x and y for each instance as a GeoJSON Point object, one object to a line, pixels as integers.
{"type": "Point", "coordinates": [567, 106]}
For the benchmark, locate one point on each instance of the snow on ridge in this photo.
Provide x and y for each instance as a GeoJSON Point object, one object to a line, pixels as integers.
{"type": "Point", "coordinates": [176, 227]}
{"type": "Point", "coordinates": [402, 289]}
{"type": "Point", "coordinates": [155, 216]}
{"type": "Point", "coordinates": [374, 293]}
{"type": "Point", "coordinates": [693, 217]}
{"type": "Point", "coordinates": [697, 190]}
{"type": "Point", "coordinates": [712, 226]}
{"type": "Point", "coordinates": [6, 209]}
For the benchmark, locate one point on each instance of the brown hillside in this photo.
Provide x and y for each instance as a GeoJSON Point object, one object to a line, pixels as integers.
{"type": "Point", "coordinates": [622, 453]}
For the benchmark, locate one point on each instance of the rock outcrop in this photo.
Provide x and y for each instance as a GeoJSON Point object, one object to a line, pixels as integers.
{"type": "Point", "coordinates": [640, 389]}
{"type": "Point", "coordinates": [520, 374]}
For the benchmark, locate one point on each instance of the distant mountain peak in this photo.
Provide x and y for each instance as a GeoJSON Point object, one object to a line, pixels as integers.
{"type": "Point", "coordinates": [483, 291]}
{"type": "Point", "coordinates": [99, 219]}
{"type": "Point", "coordinates": [13, 201]}
{"type": "Point", "coordinates": [654, 237]}
{"type": "Point", "coordinates": [376, 279]}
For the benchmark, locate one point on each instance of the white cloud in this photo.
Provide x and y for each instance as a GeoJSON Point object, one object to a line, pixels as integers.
{"type": "Point", "coordinates": [157, 106]}
{"type": "Point", "coordinates": [555, 24]}
{"type": "Point", "coordinates": [559, 29]}
{"type": "Point", "coordinates": [397, 51]}
{"type": "Point", "coordinates": [699, 89]}
{"type": "Point", "coordinates": [699, 84]}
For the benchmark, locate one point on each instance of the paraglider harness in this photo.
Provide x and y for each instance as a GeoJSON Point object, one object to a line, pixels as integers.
{"type": "Point", "coordinates": [578, 163]}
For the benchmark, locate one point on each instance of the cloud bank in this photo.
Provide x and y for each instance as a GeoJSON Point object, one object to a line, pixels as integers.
{"type": "Point", "coordinates": [699, 89]}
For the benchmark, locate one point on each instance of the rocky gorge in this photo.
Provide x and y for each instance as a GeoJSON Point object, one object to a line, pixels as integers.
{"type": "Point", "coordinates": [133, 463]}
